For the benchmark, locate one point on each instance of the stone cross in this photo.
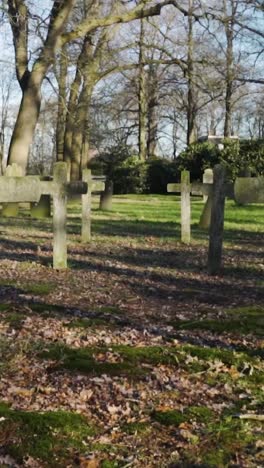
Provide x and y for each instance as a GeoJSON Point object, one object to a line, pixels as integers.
{"type": "Point", "coordinates": [184, 188]}
{"type": "Point", "coordinates": [14, 189]}
{"type": "Point", "coordinates": [244, 190]}
{"type": "Point", "coordinates": [95, 184]}
{"type": "Point", "coordinates": [216, 193]}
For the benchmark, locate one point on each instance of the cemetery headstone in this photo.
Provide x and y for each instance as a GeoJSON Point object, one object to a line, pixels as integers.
{"type": "Point", "coordinates": [185, 207]}
{"type": "Point", "coordinates": [184, 188]}
{"type": "Point", "coordinates": [249, 190]}
{"type": "Point", "coordinates": [106, 196]}
{"type": "Point", "coordinates": [208, 178]}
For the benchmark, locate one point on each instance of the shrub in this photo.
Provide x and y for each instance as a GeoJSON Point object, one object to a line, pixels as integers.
{"type": "Point", "coordinates": [160, 172]}
{"type": "Point", "coordinates": [197, 157]}
{"type": "Point", "coordinates": [238, 157]}
{"type": "Point", "coordinates": [130, 176]}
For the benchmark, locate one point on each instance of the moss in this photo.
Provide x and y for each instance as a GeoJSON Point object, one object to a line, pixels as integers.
{"type": "Point", "coordinates": [39, 288]}
{"type": "Point", "coordinates": [150, 354]}
{"type": "Point", "coordinates": [169, 418]}
{"type": "Point", "coordinates": [200, 414]}
{"type": "Point", "coordinates": [133, 357]}
{"type": "Point", "coordinates": [109, 464]}
{"type": "Point", "coordinates": [224, 439]}
{"type": "Point", "coordinates": [50, 436]}
{"type": "Point", "coordinates": [228, 357]}
{"type": "Point", "coordinates": [136, 428]}
{"type": "Point", "coordinates": [33, 288]}
{"type": "Point", "coordinates": [242, 320]}
{"type": "Point", "coordinates": [4, 307]}
{"type": "Point", "coordinates": [82, 360]}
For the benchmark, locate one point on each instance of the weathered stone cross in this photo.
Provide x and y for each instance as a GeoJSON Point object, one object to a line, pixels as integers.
{"type": "Point", "coordinates": [244, 190]}
{"type": "Point", "coordinates": [17, 189]}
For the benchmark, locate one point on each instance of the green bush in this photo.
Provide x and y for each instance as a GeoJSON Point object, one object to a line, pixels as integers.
{"type": "Point", "coordinates": [110, 160]}
{"type": "Point", "coordinates": [130, 176]}
{"type": "Point", "coordinates": [197, 157]}
{"type": "Point", "coordinates": [252, 156]}
{"type": "Point", "coordinates": [160, 172]}
{"type": "Point", "coordinates": [238, 157]}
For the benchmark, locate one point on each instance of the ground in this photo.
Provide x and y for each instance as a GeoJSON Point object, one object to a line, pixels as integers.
{"type": "Point", "coordinates": [134, 356]}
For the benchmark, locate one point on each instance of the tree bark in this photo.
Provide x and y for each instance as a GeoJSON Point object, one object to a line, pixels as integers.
{"type": "Point", "coordinates": [142, 99]}
{"type": "Point", "coordinates": [26, 122]}
{"type": "Point", "coordinates": [191, 108]}
{"type": "Point", "coordinates": [31, 81]}
{"type": "Point", "coordinates": [62, 104]}
{"type": "Point", "coordinates": [153, 120]}
{"type": "Point", "coordinates": [229, 31]}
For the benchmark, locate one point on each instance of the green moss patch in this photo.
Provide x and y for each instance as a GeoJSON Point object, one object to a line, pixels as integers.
{"type": "Point", "coordinates": [201, 414]}
{"type": "Point", "coordinates": [31, 288]}
{"type": "Point", "coordinates": [136, 428]}
{"type": "Point", "coordinates": [84, 361]}
{"type": "Point", "coordinates": [52, 437]}
{"type": "Point", "coordinates": [242, 320]}
{"type": "Point", "coordinates": [109, 464]}
{"type": "Point", "coordinates": [225, 438]}
{"type": "Point", "coordinates": [39, 288]}
{"type": "Point", "coordinates": [133, 359]}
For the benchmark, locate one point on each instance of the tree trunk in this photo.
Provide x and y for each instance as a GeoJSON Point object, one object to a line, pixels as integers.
{"type": "Point", "coordinates": [62, 106]}
{"type": "Point", "coordinates": [142, 100]}
{"type": "Point", "coordinates": [229, 31]}
{"type": "Point", "coordinates": [81, 117]}
{"type": "Point", "coordinates": [26, 122]}
{"type": "Point", "coordinates": [30, 81]}
{"type": "Point", "coordinates": [70, 117]}
{"type": "Point", "coordinates": [191, 108]}
{"type": "Point", "coordinates": [153, 120]}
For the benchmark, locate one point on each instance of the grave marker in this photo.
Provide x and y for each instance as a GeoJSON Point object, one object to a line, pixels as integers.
{"type": "Point", "coordinates": [31, 188]}
{"type": "Point", "coordinates": [184, 188]}
{"type": "Point", "coordinates": [208, 178]}
{"type": "Point", "coordinates": [217, 220]}
{"type": "Point", "coordinates": [249, 190]}
{"type": "Point", "coordinates": [244, 190]}
{"type": "Point", "coordinates": [59, 216]}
